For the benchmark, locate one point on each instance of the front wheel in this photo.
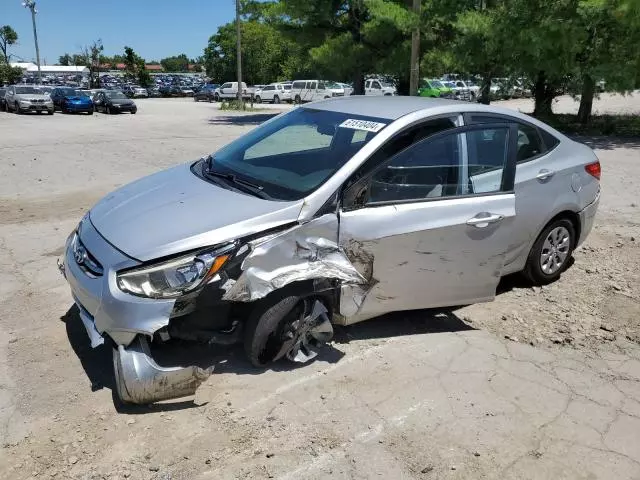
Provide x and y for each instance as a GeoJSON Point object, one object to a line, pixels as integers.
{"type": "Point", "coordinates": [90, 112]}
{"type": "Point", "coordinates": [50, 112]}
{"type": "Point", "coordinates": [216, 97]}
{"type": "Point", "coordinates": [550, 254]}
{"type": "Point", "coordinates": [276, 99]}
{"type": "Point", "coordinates": [16, 108]}
{"type": "Point", "coordinates": [258, 99]}
{"type": "Point", "coordinates": [297, 100]}
{"type": "Point", "coordinates": [108, 110]}
{"type": "Point", "coordinates": [291, 327]}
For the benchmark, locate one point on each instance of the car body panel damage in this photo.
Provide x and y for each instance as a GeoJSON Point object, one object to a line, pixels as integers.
{"type": "Point", "coordinates": [305, 252]}
{"type": "Point", "coordinates": [139, 379]}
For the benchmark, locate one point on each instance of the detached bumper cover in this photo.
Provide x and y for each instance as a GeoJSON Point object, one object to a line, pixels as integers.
{"type": "Point", "coordinates": [587, 218]}
{"type": "Point", "coordinates": [139, 379]}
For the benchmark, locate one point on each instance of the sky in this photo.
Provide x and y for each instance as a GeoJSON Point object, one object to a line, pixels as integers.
{"type": "Point", "coordinates": [154, 29]}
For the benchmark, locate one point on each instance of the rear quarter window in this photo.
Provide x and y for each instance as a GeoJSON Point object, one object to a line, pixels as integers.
{"type": "Point", "coordinates": [550, 142]}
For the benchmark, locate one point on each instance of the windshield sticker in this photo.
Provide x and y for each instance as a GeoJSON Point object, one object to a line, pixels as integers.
{"type": "Point", "coordinates": [362, 125]}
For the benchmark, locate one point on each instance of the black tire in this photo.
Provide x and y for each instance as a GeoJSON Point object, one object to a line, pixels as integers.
{"type": "Point", "coordinates": [276, 99]}
{"type": "Point", "coordinates": [51, 112]}
{"type": "Point", "coordinates": [297, 100]}
{"type": "Point", "coordinates": [533, 270]}
{"type": "Point", "coordinates": [90, 112]}
{"type": "Point", "coordinates": [261, 335]}
{"type": "Point", "coordinates": [107, 110]}
{"type": "Point", "coordinates": [258, 99]}
{"type": "Point", "coordinates": [195, 99]}
{"type": "Point", "coordinates": [216, 97]}
{"type": "Point", "coordinates": [134, 111]}
{"type": "Point", "coordinates": [17, 108]}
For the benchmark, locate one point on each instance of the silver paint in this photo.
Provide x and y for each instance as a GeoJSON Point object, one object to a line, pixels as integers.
{"type": "Point", "coordinates": [304, 252]}
{"type": "Point", "coordinates": [139, 379]}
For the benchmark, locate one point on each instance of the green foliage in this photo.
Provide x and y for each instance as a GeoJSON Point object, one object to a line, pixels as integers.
{"type": "Point", "coordinates": [65, 59]}
{"type": "Point", "coordinates": [266, 55]}
{"type": "Point", "coordinates": [8, 36]}
{"type": "Point", "coordinates": [135, 68]}
{"type": "Point", "coordinates": [236, 105]}
{"type": "Point", "coordinates": [9, 74]}
{"type": "Point", "coordinates": [179, 63]}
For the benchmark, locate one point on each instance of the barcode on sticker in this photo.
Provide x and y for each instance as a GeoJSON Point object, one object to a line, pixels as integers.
{"type": "Point", "coordinates": [362, 125]}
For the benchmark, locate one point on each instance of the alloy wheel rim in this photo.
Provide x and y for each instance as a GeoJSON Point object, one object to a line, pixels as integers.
{"type": "Point", "coordinates": [555, 250]}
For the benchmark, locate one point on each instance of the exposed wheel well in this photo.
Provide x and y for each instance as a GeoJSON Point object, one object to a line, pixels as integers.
{"type": "Point", "coordinates": [572, 217]}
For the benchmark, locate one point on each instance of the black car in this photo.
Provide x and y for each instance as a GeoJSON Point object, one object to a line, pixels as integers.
{"type": "Point", "coordinates": [205, 93]}
{"type": "Point", "coordinates": [113, 101]}
{"type": "Point", "coordinates": [3, 102]}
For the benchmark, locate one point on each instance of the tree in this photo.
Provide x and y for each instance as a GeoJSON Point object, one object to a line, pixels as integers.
{"type": "Point", "coordinates": [178, 63]}
{"type": "Point", "coordinates": [135, 68]}
{"type": "Point", "coordinates": [9, 74]}
{"type": "Point", "coordinates": [90, 57]}
{"type": "Point", "coordinates": [607, 52]}
{"type": "Point", "coordinates": [65, 59]}
{"type": "Point", "coordinates": [266, 55]}
{"type": "Point", "coordinates": [8, 36]}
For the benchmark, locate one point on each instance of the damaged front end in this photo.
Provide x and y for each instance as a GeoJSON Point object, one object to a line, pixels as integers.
{"type": "Point", "coordinates": [126, 301]}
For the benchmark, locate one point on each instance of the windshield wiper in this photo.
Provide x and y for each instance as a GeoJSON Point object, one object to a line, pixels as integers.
{"type": "Point", "coordinates": [253, 188]}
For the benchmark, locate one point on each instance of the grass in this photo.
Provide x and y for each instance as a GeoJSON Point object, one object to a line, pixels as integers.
{"type": "Point", "coordinates": [236, 105]}
{"type": "Point", "coordinates": [612, 125]}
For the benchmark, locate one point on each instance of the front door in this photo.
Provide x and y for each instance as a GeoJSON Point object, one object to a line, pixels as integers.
{"type": "Point", "coordinates": [429, 226]}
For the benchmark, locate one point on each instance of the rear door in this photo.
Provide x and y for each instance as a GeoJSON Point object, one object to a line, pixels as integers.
{"type": "Point", "coordinates": [429, 220]}
{"type": "Point", "coordinates": [539, 185]}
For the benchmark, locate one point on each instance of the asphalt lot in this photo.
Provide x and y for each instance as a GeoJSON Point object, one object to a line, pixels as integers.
{"type": "Point", "coordinates": [433, 395]}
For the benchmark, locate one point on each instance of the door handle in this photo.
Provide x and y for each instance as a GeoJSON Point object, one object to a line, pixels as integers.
{"type": "Point", "coordinates": [545, 174]}
{"type": "Point", "coordinates": [485, 220]}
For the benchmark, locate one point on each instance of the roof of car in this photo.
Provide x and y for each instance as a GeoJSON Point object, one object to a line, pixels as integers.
{"type": "Point", "coordinates": [394, 107]}
{"type": "Point", "coordinates": [389, 107]}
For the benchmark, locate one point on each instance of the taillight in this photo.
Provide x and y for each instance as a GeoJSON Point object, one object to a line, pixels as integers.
{"type": "Point", "coordinates": [593, 169]}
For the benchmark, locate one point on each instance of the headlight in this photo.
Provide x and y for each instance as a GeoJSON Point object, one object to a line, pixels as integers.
{"type": "Point", "coordinates": [25, 102]}
{"type": "Point", "coordinates": [173, 278]}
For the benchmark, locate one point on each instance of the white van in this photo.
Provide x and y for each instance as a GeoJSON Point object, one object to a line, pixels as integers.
{"type": "Point", "coordinates": [309, 91]}
{"type": "Point", "coordinates": [229, 91]}
{"type": "Point", "coordinates": [375, 86]}
{"type": "Point", "coordinates": [276, 93]}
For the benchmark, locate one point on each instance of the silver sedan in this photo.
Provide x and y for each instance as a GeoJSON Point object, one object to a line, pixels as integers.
{"type": "Point", "coordinates": [332, 213]}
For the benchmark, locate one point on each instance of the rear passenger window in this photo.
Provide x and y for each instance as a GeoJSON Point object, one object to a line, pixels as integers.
{"type": "Point", "coordinates": [529, 143]}
{"type": "Point", "coordinates": [550, 142]}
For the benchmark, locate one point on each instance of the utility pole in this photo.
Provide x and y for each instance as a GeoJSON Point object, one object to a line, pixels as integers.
{"type": "Point", "coordinates": [415, 52]}
{"type": "Point", "coordinates": [239, 53]}
{"type": "Point", "coordinates": [31, 5]}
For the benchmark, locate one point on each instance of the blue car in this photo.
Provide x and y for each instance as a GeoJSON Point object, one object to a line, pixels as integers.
{"type": "Point", "coordinates": [69, 100]}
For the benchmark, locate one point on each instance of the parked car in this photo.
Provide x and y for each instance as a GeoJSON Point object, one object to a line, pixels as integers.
{"type": "Point", "coordinates": [464, 90]}
{"type": "Point", "coordinates": [186, 91]}
{"type": "Point", "coordinates": [229, 91]}
{"type": "Point", "coordinates": [205, 93]}
{"type": "Point", "coordinates": [114, 101]}
{"type": "Point", "coordinates": [69, 100]}
{"type": "Point", "coordinates": [434, 89]}
{"type": "Point", "coordinates": [303, 91]}
{"type": "Point", "coordinates": [378, 87]}
{"type": "Point", "coordinates": [339, 237]}
{"type": "Point", "coordinates": [274, 93]}
{"type": "Point", "coordinates": [3, 103]}
{"type": "Point", "coordinates": [26, 98]}
{"type": "Point", "coordinates": [139, 92]}
{"type": "Point", "coordinates": [154, 92]}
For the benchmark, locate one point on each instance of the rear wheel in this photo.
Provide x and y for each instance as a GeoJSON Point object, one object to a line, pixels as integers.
{"type": "Point", "coordinates": [276, 99]}
{"type": "Point", "coordinates": [550, 254]}
{"type": "Point", "coordinates": [297, 100]}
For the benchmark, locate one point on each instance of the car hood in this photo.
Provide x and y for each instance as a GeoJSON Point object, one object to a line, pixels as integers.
{"type": "Point", "coordinates": [120, 101]}
{"type": "Point", "coordinates": [31, 96]}
{"type": "Point", "coordinates": [175, 211]}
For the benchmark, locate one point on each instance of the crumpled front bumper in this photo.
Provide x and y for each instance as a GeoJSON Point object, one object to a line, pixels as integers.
{"type": "Point", "coordinates": [129, 321]}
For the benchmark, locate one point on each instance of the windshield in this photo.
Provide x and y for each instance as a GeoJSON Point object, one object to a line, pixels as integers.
{"type": "Point", "coordinates": [333, 85]}
{"type": "Point", "coordinates": [26, 90]}
{"type": "Point", "coordinates": [293, 155]}
{"type": "Point", "coordinates": [287, 87]}
{"type": "Point", "coordinates": [70, 92]}
{"type": "Point", "coordinates": [115, 95]}
{"type": "Point", "coordinates": [436, 84]}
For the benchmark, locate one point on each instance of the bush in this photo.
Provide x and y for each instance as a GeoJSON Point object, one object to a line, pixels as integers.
{"type": "Point", "coordinates": [9, 74]}
{"type": "Point", "coordinates": [612, 125]}
{"type": "Point", "coordinates": [235, 105]}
